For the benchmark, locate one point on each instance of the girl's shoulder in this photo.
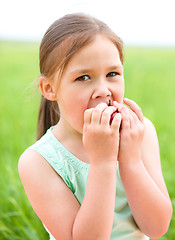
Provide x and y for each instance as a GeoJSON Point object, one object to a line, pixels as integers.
{"type": "Point", "coordinates": [150, 149]}
{"type": "Point", "coordinates": [148, 124]}
{"type": "Point", "coordinates": [39, 154]}
{"type": "Point", "coordinates": [150, 140]}
{"type": "Point", "coordinates": [35, 163]}
{"type": "Point", "coordinates": [32, 167]}
{"type": "Point", "coordinates": [31, 158]}
{"type": "Point", "coordinates": [150, 135]}
{"type": "Point", "coordinates": [48, 157]}
{"type": "Point", "coordinates": [151, 154]}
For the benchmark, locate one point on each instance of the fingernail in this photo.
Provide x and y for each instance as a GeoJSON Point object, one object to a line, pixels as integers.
{"type": "Point", "coordinates": [115, 102]}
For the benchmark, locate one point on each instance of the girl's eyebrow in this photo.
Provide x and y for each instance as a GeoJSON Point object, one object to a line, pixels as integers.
{"type": "Point", "coordinates": [116, 67]}
{"type": "Point", "coordinates": [80, 71]}
{"type": "Point", "coordinates": [87, 70]}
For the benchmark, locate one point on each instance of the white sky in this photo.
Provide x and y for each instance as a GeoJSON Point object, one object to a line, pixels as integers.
{"type": "Point", "coordinates": [145, 22]}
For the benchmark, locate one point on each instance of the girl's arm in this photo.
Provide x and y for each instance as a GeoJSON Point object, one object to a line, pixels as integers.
{"type": "Point", "coordinates": [56, 205]}
{"type": "Point", "coordinates": [95, 217]}
{"type": "Point", "coordinates": [51, 199]}
{"type": "Point", "coordinates": [140, 170]}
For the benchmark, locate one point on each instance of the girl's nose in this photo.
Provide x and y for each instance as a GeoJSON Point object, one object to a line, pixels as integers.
{"type": "Point", "coordinates": [101, 90]}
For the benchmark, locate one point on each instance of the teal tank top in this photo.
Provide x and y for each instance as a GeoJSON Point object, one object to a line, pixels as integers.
{"type": "Point", "coordinates": [74, 173]}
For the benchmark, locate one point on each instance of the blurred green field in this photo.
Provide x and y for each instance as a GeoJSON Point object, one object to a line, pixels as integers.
{"type": "Point", "coordinates": [149, 80]}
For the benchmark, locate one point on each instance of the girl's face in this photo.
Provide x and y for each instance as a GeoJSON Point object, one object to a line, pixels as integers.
{"type": "Point", "coordinates": [93, 75]}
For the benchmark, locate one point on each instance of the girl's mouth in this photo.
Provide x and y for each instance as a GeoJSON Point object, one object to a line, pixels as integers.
{"type": "Point", "coordinates": [114, 113]}
{"type": "Point", "coordinates": [109, 104]}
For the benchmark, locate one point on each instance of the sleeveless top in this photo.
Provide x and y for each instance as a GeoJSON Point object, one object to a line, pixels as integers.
{"type": "Point", "coordinates": [74, 173]}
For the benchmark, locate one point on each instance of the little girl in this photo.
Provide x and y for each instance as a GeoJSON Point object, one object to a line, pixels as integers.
{"type": "Point", "coordinates": [95, 171]}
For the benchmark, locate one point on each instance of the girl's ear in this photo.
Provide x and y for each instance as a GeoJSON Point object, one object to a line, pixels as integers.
{"type": "Point", "coordinates": [47, 88]}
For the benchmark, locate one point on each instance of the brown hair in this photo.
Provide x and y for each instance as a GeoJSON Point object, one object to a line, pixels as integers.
{"type": "Point", "coordinates": [62, 39]}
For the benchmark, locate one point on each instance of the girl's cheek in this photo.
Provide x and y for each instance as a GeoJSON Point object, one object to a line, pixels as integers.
{"type": "Point", "coordinates": [119, 97]}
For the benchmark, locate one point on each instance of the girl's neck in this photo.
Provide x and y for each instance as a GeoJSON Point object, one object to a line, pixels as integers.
{"type": "Point", "coordinates": [72, 141]}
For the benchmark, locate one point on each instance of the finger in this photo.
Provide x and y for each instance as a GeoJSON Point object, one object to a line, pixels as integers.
{"type": "Point", "coordinates": [97, 112]}
{"type": "Point", "coordinates": [88, 115]}
{"type": "Point", "coordinates": [120, 107]}
{"type": "Point", "coordinates": [132, 117]}
{"type": "Point", "coordinates": [126, 118]}
{"type": "Point", "coordinates": [135, 108]}
{"type": "Point", "coordinates": [117, 105]}
{"type": "Point", "coordinates": [107, 114]}
{"type": "Point", "coordinates": [116, 121]}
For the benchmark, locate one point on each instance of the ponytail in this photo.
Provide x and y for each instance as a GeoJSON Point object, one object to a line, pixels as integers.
{"type": "Point", "coordinates": [48, 116]}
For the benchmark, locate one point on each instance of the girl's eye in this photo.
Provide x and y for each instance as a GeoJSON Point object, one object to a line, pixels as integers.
{"type": "Point", "coordinates": [82, 78]}
{"type": "Point", "coordinates": [112, 74]}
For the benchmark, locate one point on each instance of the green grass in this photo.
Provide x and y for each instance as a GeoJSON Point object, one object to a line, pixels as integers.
{"type": "Point", "coordinates": [149, 80]}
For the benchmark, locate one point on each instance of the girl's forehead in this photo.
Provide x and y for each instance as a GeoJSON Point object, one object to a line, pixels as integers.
{"type": "Point", "coordinates": [99, 56]}
{"type": "Point", "coordinates": [99, 47]}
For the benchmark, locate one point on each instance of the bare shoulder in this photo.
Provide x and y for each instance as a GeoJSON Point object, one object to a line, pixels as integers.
{"type": "Point", "coordinates": [150, 139]}
{"type": "Point", "coordinates": [151, 155]}
{"type": "Point", "coordinates": [150, 146]}
{"type": "Point", "coordinates": [33, 168]}
{"type": "Point", "coordinates": [29, 162]}
{"type": "Point", "coordinates": [149, 128]}
{"type": "Point", "coordinates": [51, 199]}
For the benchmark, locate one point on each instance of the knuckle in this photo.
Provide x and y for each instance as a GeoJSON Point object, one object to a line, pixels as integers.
{"type": "Point", "coordinates": [87, 112]}
{"type": "Point", "coordinates": [96, 111]}
{"type": "Point", "coordinates": [116, 123]}
{"type": "Point", "coordinates": [139, 109]}
{"type": "Point", "coordinates": [126, 136]}
{"type": "Point", "coordinates": [142, 130]}
{"type": "Point", "coordinates": [126, 123]}
{"type": "Point", "coordinates": [105, 114]}
{"type": "Point", "coordinates": [95, 131]}
{"type": "Point", "coordinates": [106, 131]}
{"type": "Point", "coordinates": [137, 131]}
{"type": "Point", "coordinates": [134, 133]}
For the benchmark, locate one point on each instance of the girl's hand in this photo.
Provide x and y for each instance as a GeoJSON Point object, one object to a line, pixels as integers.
{"type": "Point", "coordinates": [131, 132]}
{"type": "Point", "coordinates": [100, 138]}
